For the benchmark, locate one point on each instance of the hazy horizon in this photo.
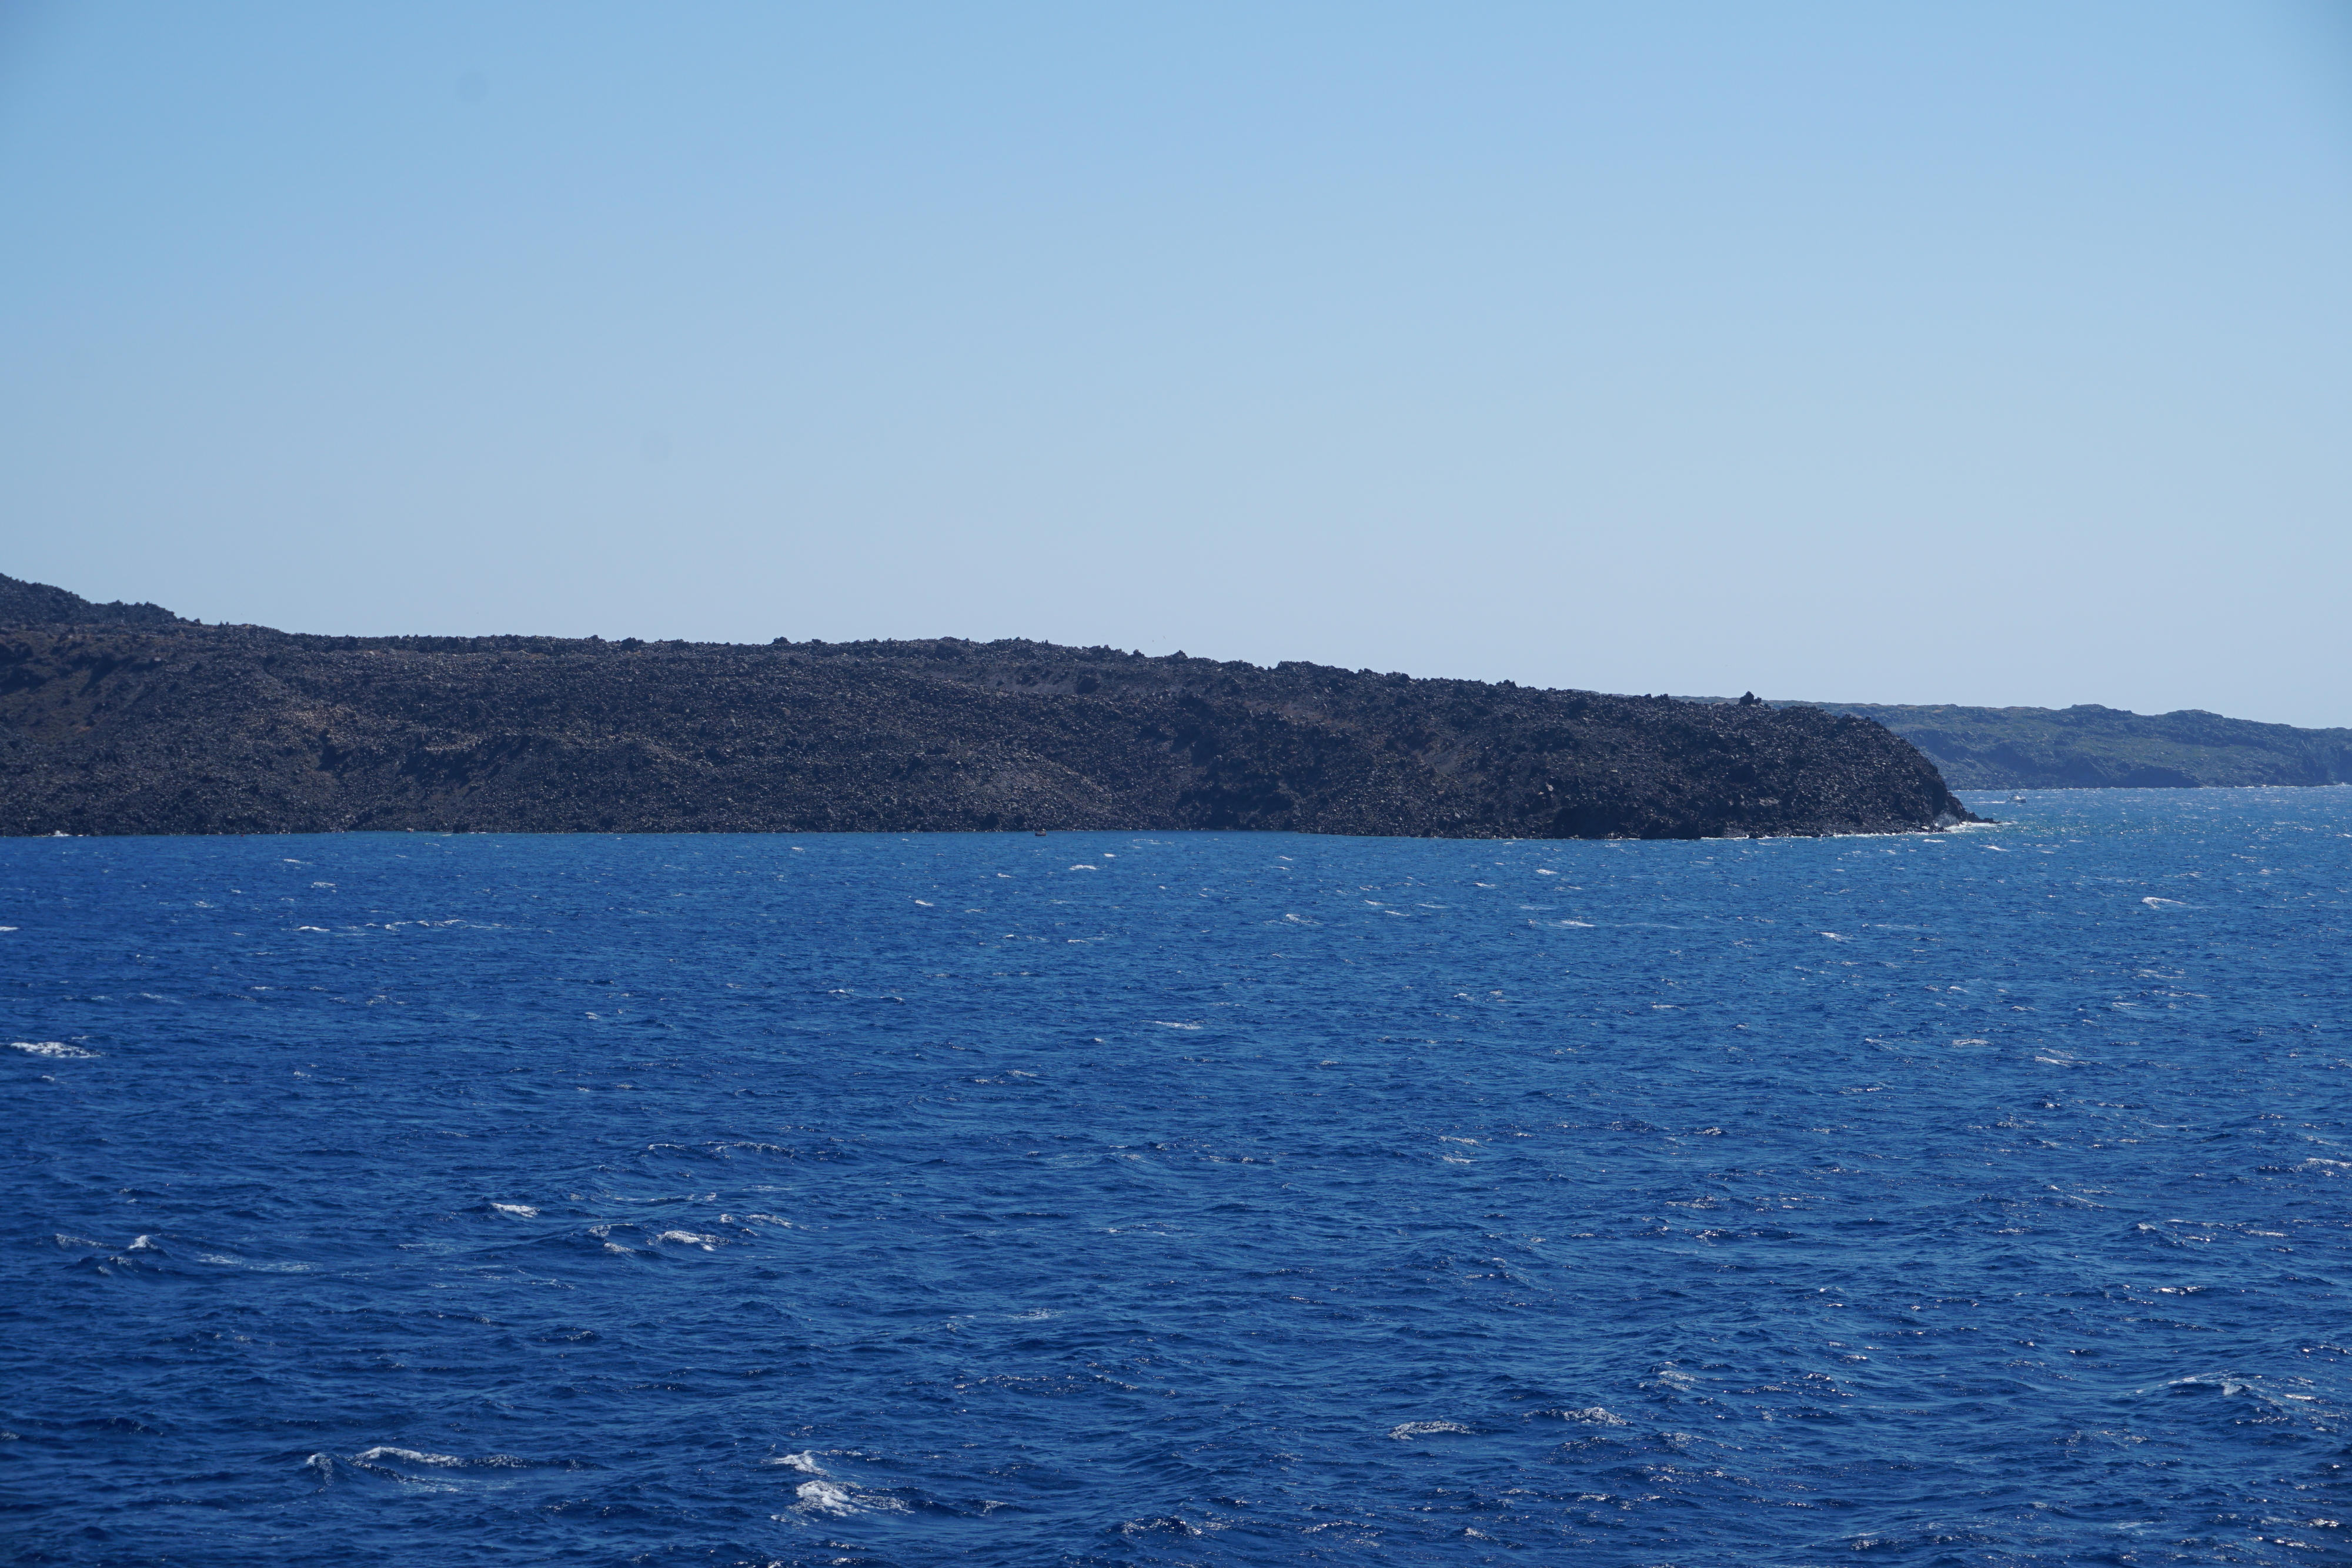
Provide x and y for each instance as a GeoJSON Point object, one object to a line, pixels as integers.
{"type": "Point", "coordinates": [1989, 356]}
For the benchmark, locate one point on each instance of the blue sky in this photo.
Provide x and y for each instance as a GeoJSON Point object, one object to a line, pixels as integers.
{"type": "Point", "coordinates": [1987, 353]}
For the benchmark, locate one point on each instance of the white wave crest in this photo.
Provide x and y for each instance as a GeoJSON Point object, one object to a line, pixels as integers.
{"type": "Point", "coordinates": [1592, 1416]}
{"type": "Point", "coordinates": [804, 1462]}
{"type": "Point", "coordinates": [838, 1500]}
{"type": "Point", "coordinates": [405, 1455]}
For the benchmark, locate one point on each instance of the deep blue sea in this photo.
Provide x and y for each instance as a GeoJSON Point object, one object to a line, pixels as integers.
{"type": "Point", "coordinates": [1106, 1198]}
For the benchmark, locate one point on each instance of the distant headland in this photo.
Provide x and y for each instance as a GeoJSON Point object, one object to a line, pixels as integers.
{"type": "Point", "coordinates": [2088, 747]}
{"type": "Point", "coordinates": [123, 718]}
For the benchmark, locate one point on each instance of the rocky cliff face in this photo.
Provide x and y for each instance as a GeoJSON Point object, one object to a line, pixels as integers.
{"type": "Point", "coordinates": [179, 729]}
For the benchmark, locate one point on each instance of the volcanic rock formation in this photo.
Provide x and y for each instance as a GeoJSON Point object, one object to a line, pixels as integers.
{"type": "Point", "coordinates": [162, 726]}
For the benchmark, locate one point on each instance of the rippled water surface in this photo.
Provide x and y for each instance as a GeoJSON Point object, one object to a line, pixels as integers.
{"type": "Point", "coordinates": [396, 1199]}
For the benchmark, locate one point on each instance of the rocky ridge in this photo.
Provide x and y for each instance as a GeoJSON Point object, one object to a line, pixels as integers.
{"type": "Point", "coordinates": [26, 604]}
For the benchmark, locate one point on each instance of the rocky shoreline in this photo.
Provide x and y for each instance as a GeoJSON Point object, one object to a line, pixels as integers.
{"type": "Point", "coordinates": [175, 727]}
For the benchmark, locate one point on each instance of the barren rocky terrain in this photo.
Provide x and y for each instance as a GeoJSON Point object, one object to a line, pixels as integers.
{"type": "Point", "coordinates": [148, 725]}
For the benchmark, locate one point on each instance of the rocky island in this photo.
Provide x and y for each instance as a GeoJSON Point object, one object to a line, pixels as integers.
{"type": "Point", "coordinates": [126, 719]}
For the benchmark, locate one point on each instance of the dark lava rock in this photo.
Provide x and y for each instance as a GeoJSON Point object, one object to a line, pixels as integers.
{"type": "Point", "coordinates": [26, 604]}
{"type": "Point", "coordinates": [181, 728]}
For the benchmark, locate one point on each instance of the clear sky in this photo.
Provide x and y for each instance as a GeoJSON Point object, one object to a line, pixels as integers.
{"type": "Point", "coordinates": [1905, 352]}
